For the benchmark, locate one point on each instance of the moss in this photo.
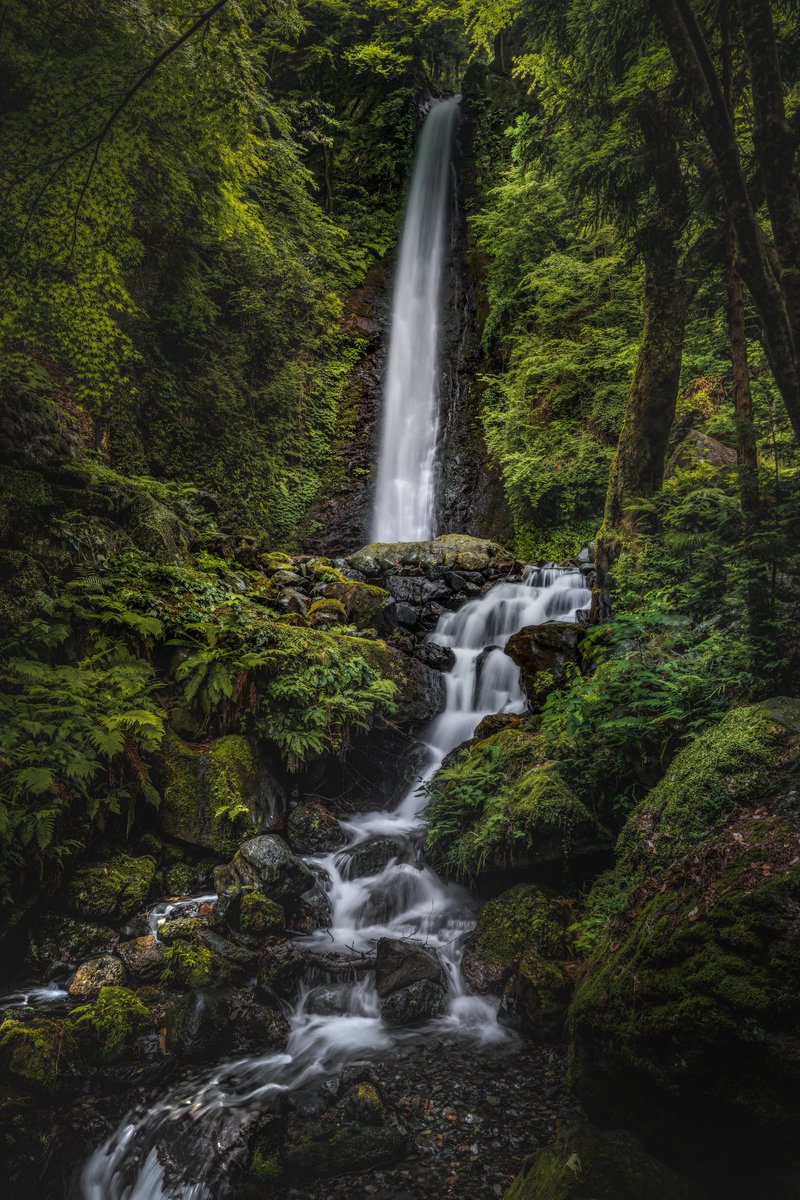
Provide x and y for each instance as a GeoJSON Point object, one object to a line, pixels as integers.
{"type": "Point", "coordinates": [259, 916]}
{"type": "Point", "coordinates": [37, 1052]}
{"type": "Point", "coordinates": [327, 612]}
{"type": "Point", "coordinates": [521, 920]}
{"type": "Point", "coordinates": [112, 1024]}
{"type": "Point", "coordinates": [189, 966]}
{"type": "Point", "coordinates": [210, 795]}
{"type": "Point", "coordinates": [266, 1168]}
{"type": "Point", "coordinates": [276, 560]}
{"type": "Point", "coordinates": [452, 550]}
{"type": "Point", "coordinates": [113, 889]}
{"type": "Point", "coordinates": [180, 879]}
{"type": "Point", "coordinates": [362, 602]}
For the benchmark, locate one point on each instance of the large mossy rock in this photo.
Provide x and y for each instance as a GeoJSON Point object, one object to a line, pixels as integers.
{"type": "Point", "coordinates": [217, 795]}
{"type": "Point", "coordinates": [686, 1026]}
{"type": "Point", "coordinates": [586, 1164]}
{"type": "Point", "coordinates": [266, 864]}
{"type": "Point", "coordinates": [451, 550]}
{"type": "Point", "coordinates": [110, 890]}
{"type": "Point", "coordinates": [497, 810]}
{"type": "Point", "coordinates": [39, 1053]}
{"type": "Point", "coordinates": [113, 1027]}
{"type": "Point", "coordinates": [521, 948]}
{"type": "Point", "coordinates": [543, 654]}
{"type": "Point", "coordinates": [313, 829]}
{"type": "Point", "coordinates": [56, 941]}
{"type": "Point", "coordinates": [365, 606]}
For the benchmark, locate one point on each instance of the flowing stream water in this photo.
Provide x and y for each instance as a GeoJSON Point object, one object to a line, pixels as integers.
{"type": "Point", "coordinates": [406, 480]}
{"type": "Point", "coordinates": [174, 1148]}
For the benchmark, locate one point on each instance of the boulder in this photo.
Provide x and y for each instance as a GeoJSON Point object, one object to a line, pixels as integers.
{"type": "Point", "coordinates": [411, 1005]}
{"type": "Point", "coordinates": [521, 948]}
{"type": "Point", "coordinates": [56, 940]}
{"type": "Point", "coordinates": [697, 448]}
{"type": "Point", "coordinates": [451, 550]}
{"type": "Point", "coordinates": [399, 963]}
{"type": "Point", "coordinates": [260, 917]}
{"type": "Point", "coordinates": [370, 856]}
{"type": "Point", "coordinates": [255, 1028]}
{"type": "Point", "coordinates": [280, 969]}
{"type": "Point", "coordinates": [313, 829]}
{"type": "Point", "coordinates": [113, 1027]}
{"type": "Point", "coordinates": [94, 974]}
{"type": "Point", "coordinates": [543, 654]}
{"type": "Point", "coordinates": [686, 1023]}
{"type": "Point", "coordinates": [190, 966]}
{"type": "Point", "coordinates": [326, 1001]}
{"type": "Point", "coordinates": [356, 1134]}
{"type": "Point", "coordinates": [312, 911]}
{"type": "Point", "coordinates": [586, 1164]}
{"type": "Point", "coordinates": [39, 1053]}
{"type": "Point", "coordinates": [110, 890]}
{"type": "Point", "coordinates": [197, 1025]}
{"type": "Point", "coordinates": [144, 956]}
{"type": "Point", "coordinates": [366, 607]}
{"type": "Point", "coordinates": [266, 864]}
{"type": "Point", "coordinates": [438, 658]}
{"type": "Point", "coordinates": [217, 795]}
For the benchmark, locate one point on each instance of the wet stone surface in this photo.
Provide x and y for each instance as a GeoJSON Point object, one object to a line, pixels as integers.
{"type": "Point", "coordinates": [472, 1115]}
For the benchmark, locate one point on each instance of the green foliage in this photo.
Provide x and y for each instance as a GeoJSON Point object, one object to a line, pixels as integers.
{"type": "Point", "coordinates": [110, 1025]}
{"type": "Point", "coordinates": [188, 966]}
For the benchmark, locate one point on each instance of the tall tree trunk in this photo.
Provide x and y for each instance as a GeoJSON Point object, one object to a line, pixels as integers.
{"type": "Point", "coordinates": [746, 449]}
{"type": "Point", "coordinates": [638, 467]}
{"type": "Point", "coordinates": [755, 260]}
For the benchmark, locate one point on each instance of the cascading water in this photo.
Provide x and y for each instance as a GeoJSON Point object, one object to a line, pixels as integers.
{"type": "Point", "coordinates": [406, 479]}
{"type": "Point", "coordinates": [172, 1149]}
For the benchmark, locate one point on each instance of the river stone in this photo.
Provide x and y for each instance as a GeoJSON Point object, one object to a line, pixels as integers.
{"type": "Point", "coordinates": [267, 865]}
{"type": "Point", "coordinates": [370, 856]}
{"type": "Point", "coordinates": [56, 940]}
{"type": "Point", "coordinates": [95, 974]}
{"type": "Point", "coordinates": [313, 829]}
{"type": "Point", "coordinates": [255, 1028]}
{"type": "Point", "coordinates": [419, 1001]}
{"type": "Point", "coordinates": [279, 971]}
{"type": "Point", "coordinates": [312, 911]}
{"type": "Point", "coordinates": [197, 1025]}
{"type": "Point", "coordinates": [586, 1164]}
{"type": "Point", "coordinates": [399, 963]}
{"type": "Point", "coordinates": [143, 957]}
{"type": "Point", "coordinates": [408, 615]}
{"type": "Point", "coordinates": [326, 1002]}
{"type": "Point", "coordinates": [292, 601]}
{"type": "Point", "coordinates": [543, 653]}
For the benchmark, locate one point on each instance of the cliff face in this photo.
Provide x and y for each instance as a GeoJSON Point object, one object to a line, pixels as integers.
{"type": "Point", "coordinates": [470, 496]}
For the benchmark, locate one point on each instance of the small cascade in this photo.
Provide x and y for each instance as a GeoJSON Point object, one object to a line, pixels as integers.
{"type": "Point", "coordinates": [378, 886]}
{"type": "Point", "coordinates": [406, 478]}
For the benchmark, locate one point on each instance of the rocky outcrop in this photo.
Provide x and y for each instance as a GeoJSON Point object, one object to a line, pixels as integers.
{"type": "Point", "coordinates": [685, 1026]}
{"type": "Point", "coordinates": [411, 981]}
{"type": "Point", "coordinates": [265, 864]}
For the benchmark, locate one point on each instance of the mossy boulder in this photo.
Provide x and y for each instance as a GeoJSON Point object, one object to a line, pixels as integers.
{"type": "Point", "coordinates": [686, 1025]}
{"type": "Point", "coordinates": [357, 1134]}
{"type": "Point", "coordinates": [450, 550]}
{"type": "Point", "coordinates": [110, 890]}
{"type": "Point", "coordinates": [313, 829]}
{"type": "Point", "coordinates": [327, 612]}
{"type": "Point", "coordinates": [497, 809]}
{"type": "Point", "coordinates": [366, 606]}
{"type": "Point", "coordinates": [190, 965]}
{"type": "Point", "coordinates": [544, 654]}
{"type": "Point", "coordinates": [39, 1053]}
{"type": "Point", "coordinates": [56, 940]}
{"type": "Point", "coordinates": [143, 957]}
{"type": "Point", "coordinates": [586, 1164]}
{"type": "Point", "coordinates": [96, 973]}
{"type": "Point", "coordinates": [113, 1026]}
{"type": "Point", "coordinates": [260, 917]}
{"type": "Point", "coordinates": [265, 864]}
{"type": "Point", "coordinates": [216, 795]}
{"type": "Point", "coordinates": [197, 1025]}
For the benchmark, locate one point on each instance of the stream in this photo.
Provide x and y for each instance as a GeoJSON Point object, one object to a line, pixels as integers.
{"type": "Point", "coordinates": [174, 1148]}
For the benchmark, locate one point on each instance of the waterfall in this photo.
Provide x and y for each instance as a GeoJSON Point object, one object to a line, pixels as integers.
{"type": "Point", "coordinates": [168, 1150]}
{"type": "Point", "coordinates": [406, 481]}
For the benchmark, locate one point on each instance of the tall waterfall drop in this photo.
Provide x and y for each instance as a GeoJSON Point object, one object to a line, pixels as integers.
{"type": "Point", "coordinates": [406, 482]}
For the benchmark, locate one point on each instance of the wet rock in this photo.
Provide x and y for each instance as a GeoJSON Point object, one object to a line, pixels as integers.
{"type": "Point", "coordinates": [197, 1025]}
{"type": "Point", "coordinates": [188, 967]}
{"type": "Point", "coordinates": [417, 590]}
{"type": "Point", "coordinates": [543, 653]}
{"type": "Point", "coordinates": [313, 829]}
{"type": "Point", "coordinates": [411, 1005]}
{"type": "Point", "coordinates": [366, 606]}
{"type": "Point", "coordinates": [266, 864]}
{"type": "Point", "coordinates": [407, 615]}
{"type": "Point", "coordinates": [39, 1053]}
{"type": "Point", "coordinates": [336, 1145]}
{"type": "Point", "coordinates": [113, 1027]}
{"type": "Point", "coordinates": [110, 890]}
{"type": "Point", "coordinates": [586, 1164]}
{"type": "Point", "coordinates": [312, 911]}
{"type": "Point", "coordinates": [451, 550]}
{"type": "Point", "coordinates": [143, 957]}
{"type": "Point", "coordinates": [399, 963]}
{"type": "Point", "coordinates": [95, 974]}
{"type": "Point", "coordinates": [438, 658]}
{"type": "Point", "coordinates": [280, 969]}
{"type": "Point", "coordinates": [326, 1002]}
{"type": "Point", "coordinates": [56, 940]}
{"type": "Point", "coordinates": [255, 1028]}
{"type": "Point", "coordinates": [260, 917]}
{"type": "Point", "coordinates": [536, 999]}
{"type": "Point", "coordinates": [422, 694]}
{"type": "Point", "coordinates": [371, 856]}
{"type": "Point", "coordinates": [182, 929]}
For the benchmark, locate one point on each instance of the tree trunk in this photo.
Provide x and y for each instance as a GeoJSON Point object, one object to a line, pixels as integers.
{"type": "Point", "coordinates": [746, 450]}
{"type": "Point", "coordinates": [696, 70]}
{"type": "Point", "coordinates": [638, 467]}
